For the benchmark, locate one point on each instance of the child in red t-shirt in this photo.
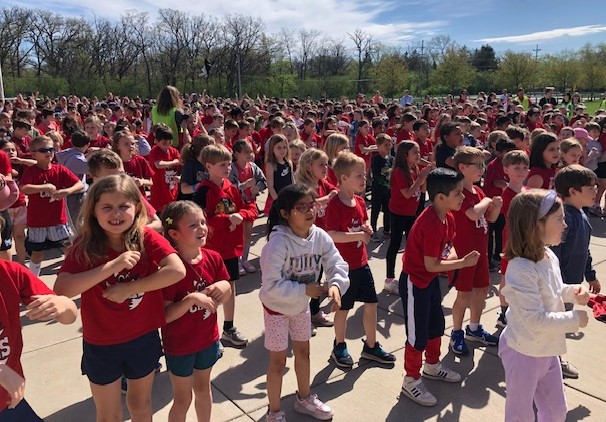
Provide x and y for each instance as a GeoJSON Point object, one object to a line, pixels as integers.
{"type": "Point", "coordinates": [406, 185]}
{"type": "Point", "coordinates": [92, 127]}
{"type": "Point", "coordinates": [544, 158]}
{"type": "Point", "coordinates": [312, 172]}
{"type": "Point", "coordinates": [119, 267]}
{"type": "Point", "coordinates": [165, 160]}
{"type": "Point", "coordinates": [250, 180]}
{"type": "Point", "coordinates": [347, 224]}
{"type": "Point", "coordinates": [364, 143]}
{"type": "Point", "coordinates": [226, 211]}
{"type": "Point", "coordinates": [429, 252]}
{"type": "Point", "coordinates": [134, 164]}
{"type": "Point", "coordinates": [515, 166]}
{"type": "Point", "coordinates": [335, 144]}
{"type": "Point", "coordinates": [472, 234]}
{"type": "Point", "coordinates": [21, 286]}
{"type": "Point", "coordinates": [191, 335]}
{"type": "Point", "coordinates": [46, 185]}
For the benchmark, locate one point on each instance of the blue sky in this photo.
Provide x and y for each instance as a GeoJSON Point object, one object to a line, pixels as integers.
{"type": "Point", "coordinates": [555, 25]}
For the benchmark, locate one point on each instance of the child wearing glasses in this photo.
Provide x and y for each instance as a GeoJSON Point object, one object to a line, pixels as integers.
{"type": "Point", "coordinates": [471, 221]}
{"type": "Point", "coordinates": [291, 262]}
{"type": "Point", "coordinates": [46, 185]}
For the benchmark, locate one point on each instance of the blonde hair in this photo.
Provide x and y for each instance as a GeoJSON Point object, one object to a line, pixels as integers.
{"type": "Point", "coordinates": [90, 245]}
{"type": "Point", "coordinates": [116, 139]}
{"type": "Point", "coordinates": [303, 174]}
{"type": "Point", "coordinates": [173, 213]}
{"type": "Point", "coordinates": [465, 154]}
{"type": "Point", "coordinates": [298, 144]}
{"type": "Point", "coordinates": [567, 144]}
{"type": "Point", "coordinates": [524, 238]}
{"type": "Point", "coordinates": [103, 158]}
{"type": "Point", "coordinates": [213, 154]}
{"type": "Point", "coordinates": [333, 143]}
{"type": "Point", "coordinates": [38, 141]}
{"type": "Point", "coordinates": [495, 135]}
{"type": "Point", "coordinates": [345, 163]}
{"type": "Point", "coordinates": [276, 139]}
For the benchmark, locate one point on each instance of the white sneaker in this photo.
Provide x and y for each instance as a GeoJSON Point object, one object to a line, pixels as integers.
{"type": "Point", "coordinates": [417, 392]}
{"type": "Point", "coordinates": [313, 407]}
{"type": "Point", "coordinates": [391, 286]}
{"type": "Point", "coordinates": [437, 371]}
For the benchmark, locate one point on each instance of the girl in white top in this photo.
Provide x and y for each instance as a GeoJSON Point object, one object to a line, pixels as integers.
{"type": "Point", "coordinates": [290, 265]}
{"type": "Point", "coordinates": [536, 319]}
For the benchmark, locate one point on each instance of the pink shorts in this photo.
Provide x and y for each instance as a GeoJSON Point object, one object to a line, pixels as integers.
{"type": "Point", "coordinates": [18, 215]}
{"type": "Point", "coordinates": [278, 327]}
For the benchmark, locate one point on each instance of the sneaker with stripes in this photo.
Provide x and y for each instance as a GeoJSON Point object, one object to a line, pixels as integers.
{"type": "Point", "coordinates": [436, 371]}
{"type": "Point", "coordinates": [417, 392]}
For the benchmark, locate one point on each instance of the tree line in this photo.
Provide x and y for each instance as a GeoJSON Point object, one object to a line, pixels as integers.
{"type": "Point", "coordinates": [136, 55]}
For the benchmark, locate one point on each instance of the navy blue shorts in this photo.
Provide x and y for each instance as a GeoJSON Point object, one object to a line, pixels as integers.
{"type": "Point", "coordinates": [232, 268]}
{"type": "Point", "coordinates": [21, 413]}
{"type": "Point", "coordinates": [183, 366]}
{"type": "Point", "coordinates": [361, 288]}
{"type": "Point", "coordinates": [134, 359]}
{"type": "Point", "coordinates": [423, 313]}
{"type": "Point", "coordinates": [7, 231]}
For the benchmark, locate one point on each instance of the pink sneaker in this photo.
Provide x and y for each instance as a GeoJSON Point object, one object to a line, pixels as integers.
{"type": "Point", "coordinates": [313, 407]}
{"type": "Point", "coordinates": [278, 416]}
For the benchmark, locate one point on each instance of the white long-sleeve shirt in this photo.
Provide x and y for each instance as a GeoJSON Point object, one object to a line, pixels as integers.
{"type": "Point", "coordinates": [290, 262]}
{"type": "Point", "coordinates": [537, 322]}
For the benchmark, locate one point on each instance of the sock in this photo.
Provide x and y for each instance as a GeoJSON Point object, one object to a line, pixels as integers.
{"type": "Point", "coordinates": [245, 252]}
{"type": "Point", "coordinates": [503, 309]}
{"type": "Point", "coordinates": [473, 326]}
{"type": "Point", "coordinates": [35, 267]}
{"type": "Point", "coordinates": [228, 325]}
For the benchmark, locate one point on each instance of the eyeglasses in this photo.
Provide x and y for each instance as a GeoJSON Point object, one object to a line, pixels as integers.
{"type": "Point", "coordinates": [480, 166]}
{"type": "Point", "coordinates": [305, 208]}
{"type": "Point", "coordinates": [45, 150]}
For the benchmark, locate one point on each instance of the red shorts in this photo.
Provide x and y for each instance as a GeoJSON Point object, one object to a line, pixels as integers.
{"type": "Point", "coordinates": [474, 277]}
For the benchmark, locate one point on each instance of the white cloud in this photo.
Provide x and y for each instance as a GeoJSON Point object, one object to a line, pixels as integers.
{"type": "Point", "coordinates": [334, 18]}
{"type": "Point", "coordinates": [577, 31]}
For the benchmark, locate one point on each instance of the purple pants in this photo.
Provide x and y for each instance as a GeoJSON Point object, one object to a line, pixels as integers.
{"type": "Point", "coordinates": [532, 379]}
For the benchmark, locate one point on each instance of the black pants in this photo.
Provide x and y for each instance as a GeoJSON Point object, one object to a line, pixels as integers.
{"type": "Point", "coordinates": [314, 303]}
{"type": "Point", "coordinates": [495, 237]}
{"type": "Point", "coordinates": [399, 225]}
{"type": "Point", "coordinates": [380, 201]}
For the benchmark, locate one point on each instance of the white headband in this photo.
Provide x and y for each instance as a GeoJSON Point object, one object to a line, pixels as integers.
{"type": "Point", "coordinates": [547, 203]}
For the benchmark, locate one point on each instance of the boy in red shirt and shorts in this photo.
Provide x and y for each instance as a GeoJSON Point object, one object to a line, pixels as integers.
{"type": "Point", "coordinates": [429, 251]}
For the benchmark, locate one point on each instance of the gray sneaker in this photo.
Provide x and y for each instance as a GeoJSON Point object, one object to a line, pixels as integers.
{"type": "Point", "coordinates": [417, 392]}
{"type": "Point", "coordinates": [234, 337]}
{"type": "Point", "coordinates": [569, 370]}
{"type": "Point", "coordinates": [278, 416]}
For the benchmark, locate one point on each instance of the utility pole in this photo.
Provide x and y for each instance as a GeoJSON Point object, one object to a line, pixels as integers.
{"type": "Point", "coordinates": [1, 87]}
{"type": "Point", "coordinates": [239, 76]}
{"type": "Point", "coordinates": [536, 53]}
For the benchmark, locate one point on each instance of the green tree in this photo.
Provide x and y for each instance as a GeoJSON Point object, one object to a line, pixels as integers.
{"type": "Point", "coordinates": [454, 71]}
{"type": "Point", "coordinates": [390, 75]}
{"type": "Point", "coordinates": [516, 70]}
{"type": "Point", "coordinates": [484, 59]}
{"type": "Point", "coordinates": [561, 71]}
{"type": "Point", "coordinates": [592, 63]}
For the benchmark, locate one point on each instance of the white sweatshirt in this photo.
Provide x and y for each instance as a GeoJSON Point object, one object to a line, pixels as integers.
{"type": "Point", "coordinates": [537, 322]}
{"type": "Point", "coordinates": [289, 263]}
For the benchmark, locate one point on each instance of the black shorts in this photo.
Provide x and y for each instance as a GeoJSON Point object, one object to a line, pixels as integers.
{"type": "Point", "coordinates": [233, 268]}
{"type": "Point", "coordinates": [7, 231]}
{"type": "Point", "coordinates": [601, 170]}
{"type": "Point", "coordinates": [134, 359]}
{"type": "Point", "coordinates": [361, 288]}
{"type": "Point", "coordinates": [21, 413]}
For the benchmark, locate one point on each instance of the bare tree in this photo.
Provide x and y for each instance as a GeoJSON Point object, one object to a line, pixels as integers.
{"type": "Point", "coordinates": [364, 47]}
{"type": "Point", "coordinates": [13, 25]}
{"type": "Point", "coordinates": [309, 44]}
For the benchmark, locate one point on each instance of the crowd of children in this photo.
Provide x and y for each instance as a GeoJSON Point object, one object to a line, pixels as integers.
{"type": "Point", "coordinates": [503, 197]}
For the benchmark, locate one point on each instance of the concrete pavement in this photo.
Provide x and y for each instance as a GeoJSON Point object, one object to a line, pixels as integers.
{"type": "Point", "coordinates": [369, 392]}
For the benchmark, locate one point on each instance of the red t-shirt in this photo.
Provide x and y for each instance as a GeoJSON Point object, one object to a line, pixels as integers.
{"type": "Point", "coordinates": [243, 175]}
{"type": "Point", "coordinates": [54, 212]}
{"type": "Point", "coordinates": [105, 322]}
{"type": "Point", "coordinates": [431, 237]}
{"type": "Point", "coordinates": [219, 202]}
{"type": "Point", "coordinates": [508, 195]}
{"type": "Point", "coordinates": [494, 171]}
{"type": "Point", "coordinates": [197, 328]}
{"type": "Point", "coordinates": [100, 142]}
{"type": "Point", "coordinates": [362, 142]}
{"type": "Point", "coordinates": [548, 176]}
{"type": "Point", "coordinates": [138, 167]}
{"type": "Point", "coordinates": [399, 134]}
{"type": "Point", "coordinates": [342, 218]}
{"type": "Point", "coordinates": [165, 189]}
{"type": "Point", "coordinates": [18, 286]}
{"type": "Point", "coordinates": [425, 148]}
{"type": "Point", "coordinates": [5, 164]}
{"type": "Point", "coordinates": [22, 146]}
{"type": "Point", "coordinates": [471, 235]}
{"type": "Point", "coordinates": [314, 142]}
{"type": "Point", "coordinates": [324, 188]}
{"type": "Point", "coordinates": [398, 204]}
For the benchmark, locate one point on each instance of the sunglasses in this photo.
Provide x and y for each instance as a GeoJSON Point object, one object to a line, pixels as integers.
{"type": "Point", "coordinates": [305, 208]}
{"type": "Point", "coordinates": [45, 150]}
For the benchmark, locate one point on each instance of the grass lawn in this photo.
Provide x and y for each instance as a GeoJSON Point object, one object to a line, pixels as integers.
{"type": "Point", "coordinates": [592, 106]}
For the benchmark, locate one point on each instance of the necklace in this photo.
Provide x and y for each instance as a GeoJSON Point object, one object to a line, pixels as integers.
{"type": "Point", "coordinates": [200, 279]}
